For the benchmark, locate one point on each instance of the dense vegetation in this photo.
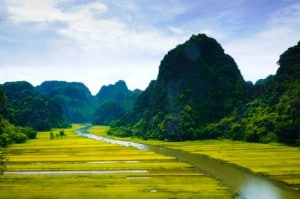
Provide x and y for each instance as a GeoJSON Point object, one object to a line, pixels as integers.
{"type": "Point", "coordinates": [79, 104]}
{"type": "Point", "coordinates": [118, 93]}
{"type": "Point", "coordinates": [30, 109]}
{"type": "Point", "coordinates": [75, 97]}
{"type": "Point", "coordinates": [113, 102]}
{"type": "Point", "coordinates": [10, 133]}
{"type": "Point", "coordinates": [57, 103]}
{"type": "Point", "coordinates": [273, 114]}
{"type": "Point", "coordinates": [197, 84]}
{"type": "Point", "coordinates": [108, 112]}
{"type": "Point", "coordinates": [200, 94]}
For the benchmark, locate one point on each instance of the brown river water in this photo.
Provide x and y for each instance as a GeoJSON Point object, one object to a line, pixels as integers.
{"type": "Point", "coordinates": [242, 183]}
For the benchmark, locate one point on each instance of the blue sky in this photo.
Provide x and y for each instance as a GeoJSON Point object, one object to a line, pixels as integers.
{"type": "Point", "coordinates": [99, 42]}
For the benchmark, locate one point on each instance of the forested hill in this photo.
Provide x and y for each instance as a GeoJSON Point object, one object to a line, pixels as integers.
{"type": "Point", "coordinates": [56, 103]}
{"type": "Point", "coordinates": [23, 112]}
{"type": "Point", "coordinates": [273, 114]}
{"type": "Point", "coordinates": [113, 102]}
{"type": "Point", "coordinates": [28, 108]}
{"type": "Point", "coordinates": [197, 84]}
{"type": "Point", "coordinates": [200, 94]}
{"type": "Point", "coordinates": [79, 104]}
{"type": "Point", "coordinates": [75, 97]}
{"type": "Point", "coordinates": [10, 133]}
{"type": "Point", "coordinates": [118, 93]}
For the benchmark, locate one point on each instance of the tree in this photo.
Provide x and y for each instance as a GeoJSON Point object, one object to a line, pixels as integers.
{"type": "Point", "coordinates": [62, 133]}
{"type": "Point", "coordinates": [52, 136]}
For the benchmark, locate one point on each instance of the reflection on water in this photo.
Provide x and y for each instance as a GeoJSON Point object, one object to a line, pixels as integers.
{"type": "Point", "coordinates": [243, 184]}
{"type": "Point", "coordinates": [254, 189]}
{"type": "Point", "coordinates": [113, 141]}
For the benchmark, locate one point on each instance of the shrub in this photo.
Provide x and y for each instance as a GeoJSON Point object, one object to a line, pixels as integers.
{"type": "Point", "coordinates": [3, 163]}
{"type": "Point", "coordinates": [62, 133]}
{"type": "Point", "coordinates": [31, 134]}
{"type": "Point", "coordinates": [52, 136]}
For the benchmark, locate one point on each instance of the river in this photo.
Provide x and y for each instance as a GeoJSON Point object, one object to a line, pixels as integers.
{"type": "Point", "coordinates": [242, 183]}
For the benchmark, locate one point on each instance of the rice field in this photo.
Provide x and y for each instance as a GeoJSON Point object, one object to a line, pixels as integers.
{"type": "Point", "coordinates": [66, 167]}
{"type": "Point", "coordinates": [278, 162]}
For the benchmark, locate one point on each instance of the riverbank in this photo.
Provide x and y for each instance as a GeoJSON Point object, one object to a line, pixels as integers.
{"type": "Point", "coordinates": [276, 161]}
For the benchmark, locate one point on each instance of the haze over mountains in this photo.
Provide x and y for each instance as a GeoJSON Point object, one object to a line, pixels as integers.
{"type": "Point", "coordinates": [199, 94]}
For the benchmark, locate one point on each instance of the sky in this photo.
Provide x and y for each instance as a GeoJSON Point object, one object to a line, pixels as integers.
{"type": "Point", "coordinates": [99, 42]}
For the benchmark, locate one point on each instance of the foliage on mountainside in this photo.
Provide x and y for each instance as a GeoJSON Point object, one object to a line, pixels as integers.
{"type": "Point", "coordinates": [118, 93]}
{"type": "Point", "coordinates": [113, 102]}
{"type": "Point", "coordinates": [197, 84]}
{"type": "Point", "coordinates": [274, 113]}
{"type": "Point", "coordinates": [29, 109]}
{"type": "Point", "coordinates": [75, 97]}
{"type": "Point", "coordinates": [107, 113]}
{"type": "Point", "coordinates": [200, 94]}
{"type": "Point", "coordinates": [8, 132]}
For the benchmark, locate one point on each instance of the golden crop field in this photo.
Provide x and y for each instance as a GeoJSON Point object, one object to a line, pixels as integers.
{"type": "Point", "coordinates": [277, 161]}
{"type": "Point", "coordinates": [86, 168]}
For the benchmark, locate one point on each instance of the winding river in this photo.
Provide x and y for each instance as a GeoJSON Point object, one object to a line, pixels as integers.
{"type": "Point", "coordinates": [244, 184]}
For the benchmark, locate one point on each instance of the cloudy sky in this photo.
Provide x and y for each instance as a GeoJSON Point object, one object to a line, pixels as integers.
{"type": "Point", "coordinates": [99, 42]}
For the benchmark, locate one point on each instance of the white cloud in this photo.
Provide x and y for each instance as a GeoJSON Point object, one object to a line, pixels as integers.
{"type": "Point", "coordinates": [101, 42]}
{"type": "Point", "coordinates": [91, 47]}
{"type": "Point", "coordinates": [48, 11]}
{"type": "Point", "coordinates": [89, 31]}
{"type": "Point", "coordinates": [257, 55]}
{"type": "Point", "coordinates": [33, 11]}
{"type": "Point", "coordinates": [288, 15]}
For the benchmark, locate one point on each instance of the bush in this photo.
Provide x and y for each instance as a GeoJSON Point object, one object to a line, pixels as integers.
{"type": "Point", "coordinates": [19, 138]}
{"type": "Point", "coordinates": [270, 137]}
{"type": "Point", "coordinates": [3, 163]}
{"type": "Point", "coordinates": [5, 140]}
{"type": "Point", "coordinates": [52, 136]}
{"type": "Point", "coordinates": [62, 133]}
{"type": "Point", "coordinates": [31, 134]}
{"type": "Point", "coordinates": [120, 132]}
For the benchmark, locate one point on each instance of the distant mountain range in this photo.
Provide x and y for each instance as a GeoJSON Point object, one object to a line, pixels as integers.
{"type": "Point", "coordinates": [75, 101]}
{"type": "Point", "coordinates": [199, 94]}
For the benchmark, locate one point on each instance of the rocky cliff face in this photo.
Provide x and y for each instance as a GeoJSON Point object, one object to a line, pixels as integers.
{"type": "Point", "coordinates": [197, 83]}
{"type": "Point", "coordinates": [198, 73]}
